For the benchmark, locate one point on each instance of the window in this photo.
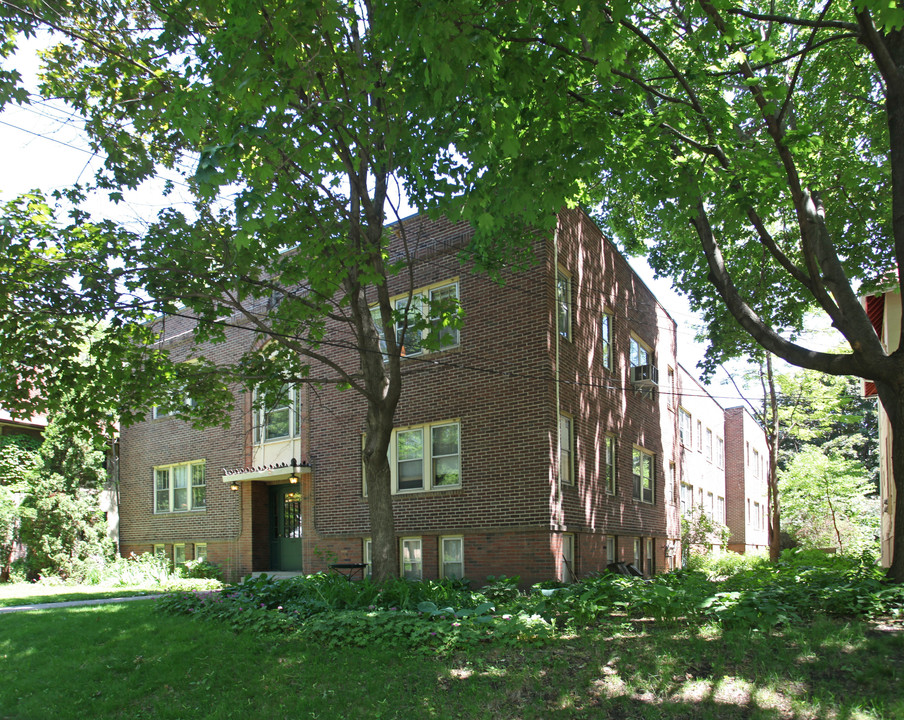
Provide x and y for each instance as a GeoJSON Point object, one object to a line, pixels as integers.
{"type": "Point", "coordinates": [639, 354]}
{"type": "Point", "coordinates": [720, 452]}
{"type": "Point", "coordinates": [160, 412]}
{"type": "Point", "coordinates": [699, 436]}
{"type": "Point", "coordinates": [179, 488]}
{"type": "Point", "coordinates": [610, 464]}
{"type": "Point", "coordinates": [687, 497]}
{"type": "Point", "coordinates": [708, 446]}
{"type": "Point", "coordinates": [563, 304]}
{"type": "Point", "coordinates": [748, 511]}
{"type": "Point", "coordinates": [440, 301]}
{"type": "Point", "coordinates": [756, 463]}
{"type": "Point", "coordinates": [452, 558]}
{"type": "Point", "coordinates": [412, 565]}
{"type": "Point", "coordinates": [684, 427]}
{"type": "Point", "coordinates": [566, 446]}
{"type": "Point", "coordinates": [672, 400]}
{"type": "Point", "coordinates": [670, 484]}
{"type": "Point", "coordinates": [610, 549]}
{"type": "Point", "coordinates": [720, 509]}
{"type": "Point", "coordinates": [756, 515]}
{"type": "Point", "coordinates": [638, 558]}
{"type": "Point", "coordinates": [201, 552]}
{"type": "Point", "coordinates": [606, 348]}
{"type": "Point", "coordinates": [160, 550]}
{"type": "Point", "coordinates": [367, 557]}
{"type": "Point", "coordinates": [439, 445]}
{"type": "Point", "coordinates": [568, 574]}
{"type": "Point", "coordinates": [709, 505]}
{"type": "Point", "coordinates": [280, 419]}
{"type": "Point", "coordinates": [651, 557]}
{"type": "Point", "coordinates": [643, 475]}
{"type": "Point", "coordinates": [179, 554]}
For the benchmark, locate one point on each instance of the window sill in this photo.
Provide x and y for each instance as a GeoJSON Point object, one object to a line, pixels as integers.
{"type": "Point", "coordinates": [429, 491]}
{"type": "Point", "coordinates": [180, 512]}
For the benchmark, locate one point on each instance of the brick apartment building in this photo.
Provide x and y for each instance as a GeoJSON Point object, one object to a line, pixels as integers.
{"type": "Point", "coordinates": [551, 423]}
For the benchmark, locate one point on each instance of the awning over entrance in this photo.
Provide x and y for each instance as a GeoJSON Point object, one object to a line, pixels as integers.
{"type": "Point", "coordinates": [266, 473]}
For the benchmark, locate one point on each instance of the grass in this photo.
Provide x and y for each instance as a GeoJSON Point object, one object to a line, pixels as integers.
{"type": "Point", "coordinates": [13, 594]}
{"type": "Point", "coordinates": [127, 661]}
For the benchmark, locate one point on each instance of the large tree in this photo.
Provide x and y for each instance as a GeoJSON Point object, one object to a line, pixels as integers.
{"type": "Point", "coordinates": [301, 125]}
{"type": "Point", "coordinates": [754, 151]}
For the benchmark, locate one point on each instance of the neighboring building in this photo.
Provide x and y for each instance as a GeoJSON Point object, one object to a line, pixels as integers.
{"type": "Point", "coordinates": [700, 464]}
{"type": "Point", "coordinates": [33, 427]}
{"type": "Point", "coordinates": [542, 442]}
{"type": "Point", "coordinates": [884, 311]}
{"type": "Point", "coordinates": [746, 468]}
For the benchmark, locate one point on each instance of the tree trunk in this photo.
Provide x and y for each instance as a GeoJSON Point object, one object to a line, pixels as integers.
{"type": "Point", "coordinates": [893, 402]}
{"type": "Point", "coordinates": [378, 480]}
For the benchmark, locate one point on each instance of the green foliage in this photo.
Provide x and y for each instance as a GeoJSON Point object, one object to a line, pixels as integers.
{"type": "Point", "coordinates": [828, 501]}
{"type": "Point", "coordinates": [18, 455]}
{"type": "Point", "coordinates": [699, 532]}
{"type": "Point", "coordinates": [729, 591]}
{"type": "Point", "coordinates": [62, 527]}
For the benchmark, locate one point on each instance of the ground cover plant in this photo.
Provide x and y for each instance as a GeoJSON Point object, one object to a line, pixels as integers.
{"type": "Point", "coordinates": [128, 661]}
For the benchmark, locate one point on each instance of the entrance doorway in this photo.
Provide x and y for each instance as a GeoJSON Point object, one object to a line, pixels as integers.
{"type": "Point", "coordinates": [285, 528]}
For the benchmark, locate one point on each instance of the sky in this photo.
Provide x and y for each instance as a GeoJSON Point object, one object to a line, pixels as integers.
{"type": "Point", "coordinates": [43, 147]}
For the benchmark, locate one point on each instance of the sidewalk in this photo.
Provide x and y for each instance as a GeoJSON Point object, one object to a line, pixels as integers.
{"type": "Point", "coordinates": [76, 603]}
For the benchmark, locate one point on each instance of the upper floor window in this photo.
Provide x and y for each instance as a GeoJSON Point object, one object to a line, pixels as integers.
{"type": "Point", "coordinates": [756, 463]}
{"type": "Point", "coordinates": [639, 353]}
{"type": "Point", "coordinates": [687, 497]}
{"type": "Point", "coordinates": [430, 309]}
{"type": "Point", "coordinates": [708, 445]}
{"type": "Point", "coordinates": [277, 417]}
{"type": "Point", "coordinates": [699, 436]}
{"type": "Point", "coordinates": [643, 474]}
{"type": "Point", "coordinates": [606, 341]}
{"type": "Point", "coordinates": [563, 304]}
{"type": "Point", "coordinates": [684, 427]}
{"type": "Point", "coordinates": [720, 452]}
{"type": "Point", "coordinates": [179, 488]}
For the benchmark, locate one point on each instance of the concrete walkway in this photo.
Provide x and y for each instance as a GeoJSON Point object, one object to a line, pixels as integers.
{"type": "Point", "coordinates": [76, 603]}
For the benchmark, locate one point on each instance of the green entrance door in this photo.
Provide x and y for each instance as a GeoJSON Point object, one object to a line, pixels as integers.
{"type": "Point", "coordinates": [285, 527]}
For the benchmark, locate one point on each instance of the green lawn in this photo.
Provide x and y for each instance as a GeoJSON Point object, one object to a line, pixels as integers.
{"type": "Point", "coordinates": [128, 661]}
{"type": "Point", "coordinates": [13, 594]}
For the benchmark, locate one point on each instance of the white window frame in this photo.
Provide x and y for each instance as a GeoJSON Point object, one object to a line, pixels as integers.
{"type": "Point", "coordinates": [639, 353]}
{"type": "Point", "coordinates": [568, 573]}
{"type": "Point", "coordinates": [720, 452]}
{"type": "Point", "coordinates": [192, 504]}
{"type": "Point", "coordinates": [720, 509]}
{"type": "Point", "coordinates": [566, 449]}
{"type": "Point", "coordinates": [687, 498]}
{"type": "Point", "coordinates": [642, 458]}
{"type": "Point", "coordinates": [606, 344]}
{"type": "Point", "coordinates": [699, 436]}
{"type": "Point", "coordinates": [564, 313]}
{"type": "Point", "coordinates": [610, 549]}
{"type": "Point", "coordinates": [367, 551]}
{"type": "Point", "coordinates": [672, 400]}
{"type": "Point", "coordinates": [157, 412]}
{"type": "Point", "coordinates": [708, 446]}
{"type": "Point", "coordinates": [261, 418]}
{"type": "Point", "coordinates": [756, 463]}
{"type": "Point", "coordinates": [159, 550]}
{"type": "Point", "coordinates": [416, 564]}
{"type": "Point", "coordinates": [428, 458]}
{"type": "Point", "coordinates": [685, 423]}
{"type": "Point", "coordinates": [443, 563]}
{"type": "Point", "coordinates": [638, 553]}
{"type": "Point", "coordinates": [421, 300]}
{"type": "Point", "coordinates": [611, 467]}
{"type": "Point", "coordinates": [179, 554]}
{"type": "Point", "coordinates": [709, 508]}
{"type": "Point", "coordinates": [201, 551]}
{"type": "Point", "coordinates": [650, 557]}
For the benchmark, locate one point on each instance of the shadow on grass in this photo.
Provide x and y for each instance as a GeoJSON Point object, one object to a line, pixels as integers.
{"type": "Point", "coordinates": [127, 661]}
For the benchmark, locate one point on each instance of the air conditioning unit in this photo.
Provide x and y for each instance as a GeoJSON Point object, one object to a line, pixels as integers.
{"type": "Point", "coordinates": [645, 375]}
